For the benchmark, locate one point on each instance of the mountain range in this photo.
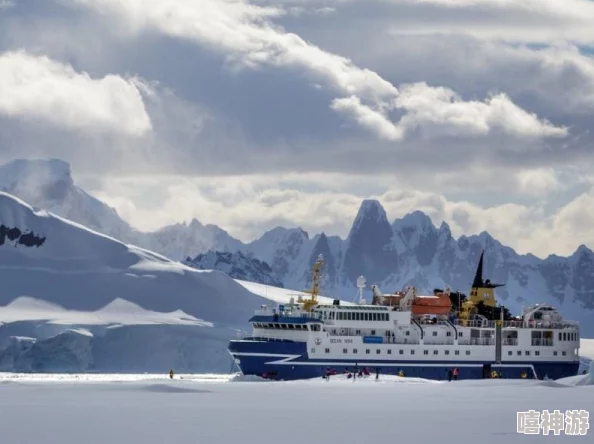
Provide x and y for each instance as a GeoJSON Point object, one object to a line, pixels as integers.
{"type": "Point", "coordinates": [410, 250]}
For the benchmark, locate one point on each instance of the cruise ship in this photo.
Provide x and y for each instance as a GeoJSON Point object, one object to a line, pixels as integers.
{"type": "Point", "coordinates": [408, 334]}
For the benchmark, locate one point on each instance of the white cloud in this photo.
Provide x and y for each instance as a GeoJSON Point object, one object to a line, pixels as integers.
{"type": "Point", "coordinates": [40, 88]}
{"type": "Point", "coordinates": [246, 206]}
{"type": "Point", "coordinates": [538, 182]}
{"type": "Point", "coordinates": [534, 21]}
{"type": "Point", "coordinates": [244, 31]}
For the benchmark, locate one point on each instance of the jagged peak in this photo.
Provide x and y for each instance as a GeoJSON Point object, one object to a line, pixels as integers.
{"type": "Point", "coordinates": [285, 232]}
{"type": "Point", "coordinates": [370, 210]}
{"type": "Point", "coordinates": [582, 249]}
{"type": "Point", "coordinates": [414, 219]}
{"type": "Point", "coordinates": [445, 229]}
{"type": "Point", "coordinates": [195, 223]}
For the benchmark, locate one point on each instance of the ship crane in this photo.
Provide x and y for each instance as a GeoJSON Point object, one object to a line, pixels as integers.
{"type": "Point", "coordinates": [408, 299]}
{"type": "Point", "coordinates": [308, 304]}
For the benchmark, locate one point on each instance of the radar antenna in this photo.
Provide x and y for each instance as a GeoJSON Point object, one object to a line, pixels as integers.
{"type": "Point", "coordinates": [361, 284]}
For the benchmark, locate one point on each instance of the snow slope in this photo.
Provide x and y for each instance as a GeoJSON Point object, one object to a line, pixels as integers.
{"type": "Point", "coordinates": [160, 411]}
{"type": "Point", "coordinates": [140, 311]}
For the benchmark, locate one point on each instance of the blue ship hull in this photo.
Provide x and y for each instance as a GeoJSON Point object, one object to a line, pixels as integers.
{"type": "Point", "coordinates": [288, 360]}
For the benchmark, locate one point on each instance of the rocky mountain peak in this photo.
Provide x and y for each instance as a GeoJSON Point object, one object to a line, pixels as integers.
{"type": "Point", "coordinates": [370, 213]}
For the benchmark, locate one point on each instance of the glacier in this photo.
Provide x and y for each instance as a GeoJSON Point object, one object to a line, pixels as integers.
{"type": "Point", "coordinates": [83, 301]}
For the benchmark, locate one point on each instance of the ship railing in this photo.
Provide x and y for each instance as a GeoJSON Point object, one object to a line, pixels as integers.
{"type": "Point", "coordinates": [542, 342]}
{"type": "Point", "coordinates": [554, 325]}
{"type": "Point", "coordinates": [287, 314]}
{"type": "Point", "coordinates": [438, 342]}
{"type": "Point", "coordinates": [261, 338]}
{"type": "Point", "coordinates": [477, 341]}
{"type": "Point", "coordinates": [510, 341]}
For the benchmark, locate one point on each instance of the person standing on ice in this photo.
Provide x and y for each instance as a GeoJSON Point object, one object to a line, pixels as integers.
{"type": "Point", "coordinates": [450, 375]}
{"type": "Point", "coordinates": [455, 373]}
{"type": "Point", "coordinates": [171, 374]}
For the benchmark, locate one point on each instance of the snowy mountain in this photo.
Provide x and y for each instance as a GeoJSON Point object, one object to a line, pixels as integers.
{"type": "Point", "coordinates": [73, 299]}
{"type": "Point", "coordinates": [410, 250]}
{"type": "Point", "coordinates": [48, 184]}
{"type": "Point", "coordinates": [237, 265]}
{"type": "Point", "coordinates": [183, 240]}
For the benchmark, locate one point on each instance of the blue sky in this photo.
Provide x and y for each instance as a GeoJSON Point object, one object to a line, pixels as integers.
{"type": "Point", "coordinates": [250, 114]}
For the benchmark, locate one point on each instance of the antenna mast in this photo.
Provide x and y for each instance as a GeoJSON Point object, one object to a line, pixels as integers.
{"type": "Point", "coordinates": [361, 284]}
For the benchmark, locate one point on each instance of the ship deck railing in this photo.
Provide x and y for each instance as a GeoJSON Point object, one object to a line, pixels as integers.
{"type": "Point", "coordinates": [287, 314]}
{"type": "Point", "coordinates": [261, 338]}
{"type": "Point", "coordinates": [518, 324]}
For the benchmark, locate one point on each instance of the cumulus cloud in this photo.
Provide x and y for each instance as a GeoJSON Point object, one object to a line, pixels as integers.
{"type": "Point", "coordinates": [36, 87]}
{"type": "Point", "coordinates": [440, 111]}
{"type": "Point", "coordinates": [245, 32]}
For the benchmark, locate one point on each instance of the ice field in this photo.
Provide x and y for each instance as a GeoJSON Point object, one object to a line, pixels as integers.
{"type": "Point", "coordinates": [152, 409]}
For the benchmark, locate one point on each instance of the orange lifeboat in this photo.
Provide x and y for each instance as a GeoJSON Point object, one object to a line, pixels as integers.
{"type": "Point", "coordinates": [439, 304]}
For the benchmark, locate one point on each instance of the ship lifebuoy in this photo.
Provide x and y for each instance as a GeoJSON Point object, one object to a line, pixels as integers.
{"type": "Point", "coordinates": [343, 331]}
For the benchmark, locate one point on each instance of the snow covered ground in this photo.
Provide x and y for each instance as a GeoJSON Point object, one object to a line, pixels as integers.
{"type": "Point", "coordinates": [151, 409]}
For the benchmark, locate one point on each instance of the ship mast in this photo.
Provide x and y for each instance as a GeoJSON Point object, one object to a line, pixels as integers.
{"type": "Point", "coordinates": [315, 286]}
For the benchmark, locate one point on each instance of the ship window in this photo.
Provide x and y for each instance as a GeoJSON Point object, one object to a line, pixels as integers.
{"type": "Point", "coordinates": [509, 353]}
{"type": "Point", "coordinates": [467, 352]}
{"type": "Point", "coordinates": [390, 351]}
{"type": "Point", "coordinates": [344, 350]}
{"type": "Point", "coordinates": [400, 352]}
{"type": "Point", "coordinates": [554, 353]}
{"type": "Point", "coordinates": [283, 326]}
{"type": "Point", "coordinates": [560, 336]}
{"type": "Point", "coordinates": [291, 327]}
{"type": "Point", "coordinates": [434, 352]}
{"type": "Point", "coordinates": [357, 332]}
{"type": "Point", "coordinates": [460, 334]}
{"type": "Point", "coordinates": [372, 332]}
{"type": "Point", "coordinates": [527, 353]}
{"type": "Point", "coordinates": [373, 316]}
{"type": "Point", "coordinates": [407, 333]}
{"type": "Point", "coordinates": [327, 350]}
{"type": "Point", "coordinates": [367, 351]}
{"type": "Point", "coordinates": [537, 353]}
{"type": "Point", "coordinates": [447, 352]}
{"type": "Point", "coordinates": [412, 352]}
{"type": "Point", "coordinates": [377, 352]}
{"type": "Point", "coordinates": [366, 316]}
{"type": "Point", "coordinates": [355, 351]}
{"type": "Point", "coordinates": [564, 353]}
{"type": "Point", "coordinates": [519, 352]}
{"type": "Point", "coordinates": [425, 352]}
{"type": "Point", "coordinates": [270, 325]}
{"type": "Point", "coordinates": [449, 333]}
{"type": "Point", "coordinates": [434, 333]}
{"type": "Point", "coordinates": [565, 336]}
{"type": "Point", "coordinates": [457, 352]}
